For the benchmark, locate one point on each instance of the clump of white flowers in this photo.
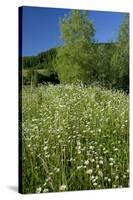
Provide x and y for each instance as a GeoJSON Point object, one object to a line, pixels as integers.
{"type": "Point", "coordinates": [86, 162]}
{"type": "Point", "coordinates": [38, 190]}
{"type": "Point", "coordinates": [62, 188]}
{"type": "Point", "coordinates": [89, 171]}
{"type": "Point", "coordinates": [45, 190]}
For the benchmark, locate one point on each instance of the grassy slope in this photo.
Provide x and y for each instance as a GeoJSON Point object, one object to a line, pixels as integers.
{"type": "Point", "coordinates": [40, 71]}
{"type": "Point", "coordinates": [74, 138]}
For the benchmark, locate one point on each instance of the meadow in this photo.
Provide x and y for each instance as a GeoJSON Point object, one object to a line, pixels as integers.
{"type": "Point", "coordinates": [74, 138]}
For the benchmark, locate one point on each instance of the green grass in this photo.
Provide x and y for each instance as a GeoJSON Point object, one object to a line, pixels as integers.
{"type": "Point", "coordinates": [74, 138]}
{"type": "Point", "coordinates": [40, 71]}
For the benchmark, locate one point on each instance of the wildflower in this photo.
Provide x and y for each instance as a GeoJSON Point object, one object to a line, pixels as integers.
{"type": "Point", "coordinates": [111, 159]}
{"type": "Point", "coordinates": [101, 157]}
{"type": "Point", "coordinates": [38, 190]}
{"type": "Point", "coordinates": [47, 156]}
{"type": "Point", "coordinates": [91, 147]}
{"type": "Point", "coordinates": [48, 179]}
{"type": "Point", "coordinates": [45, 148]}
{"type": "Point", "coordinates": [57, 170]}
{"type": "Point", "coordinates": [78, 147]}
{"type": "Point", "coordinates": [45, 142]}
{"type": "Point", "coordinates": [100, 173]}
{"type": "Point", "coordinates": [92, 160]}
{"type": "Point", "coordinates": [95, 184]}
{"type": "Point", "coordinates": [45, 184]}
{"type": "Point", "coordinates": [105, 152]}
{"type": "Point", "coordinates": [97, 166]}
{"type": "Point", "coordinates": [51, 173]}
{"type": "Point", "coordinates": [71, 159]}
{"type": "Point", "coordinates": [101, 162]}
{"type": "Point", "coordinates": [111, 164]}
{"type": "Point", "coordinates": [116, 149]}
{"type": "Point", "coordinates": [78, 142]}
{"type": "Point", "coordinates": [92, 177]}
{"type": "Point", "coordinates": [89, 171]}
{"type": "Point", "coordinates": [88, 153]}
{"type": "Point", "coordinates": [114, 186]}
{"type": "Point", "coordinates": [79, 152]}
{"type": "Point", "coordinates": [79, 167]}
{"type": "Point", "coordinates": [86, 162]}
{"type": "Point", "coordinates": [45, 190]}
{"type": "Point", "coordinates": [62, 188]}
{"type": "Point", "coordinates": [99, 130]}
{"type": "Point", "coordinates": [99, 186]}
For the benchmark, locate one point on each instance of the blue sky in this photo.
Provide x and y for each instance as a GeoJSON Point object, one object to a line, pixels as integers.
{"type": "Point", "coordinates": [41, 27]}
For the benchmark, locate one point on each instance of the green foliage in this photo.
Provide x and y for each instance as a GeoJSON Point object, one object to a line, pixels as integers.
{"type": "Point", "coordinates": [46, 59]}
{"type": "Point", "coordinates": [40, 68]}
{"type": "Point", "coordinates": [76, 27]}
{"type": "Point", "coordinates": [31, 77]}
{"type": "Point", "coordinates": [120, 59]}
{"type": "Point", "coordinates": [75, 58]}
{"type": "Point", "coordinates": [30, 62]}
{"type": "Point", "coordinates": [103, 64]}
{"type": "Point", "coordinates": [74, 138]}
{"type": "Point", "coordinates": [43, 60]}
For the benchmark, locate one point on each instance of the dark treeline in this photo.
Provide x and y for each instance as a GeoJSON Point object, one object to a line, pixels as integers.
{"type": "Point", "coordinates": [43, 60]}
{"type": "Point", "coordinates": [40, 68]}
{"type": "Point", "coordinates": [81, 59]}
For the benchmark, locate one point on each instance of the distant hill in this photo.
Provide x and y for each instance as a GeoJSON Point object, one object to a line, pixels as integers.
{"type": "Point", "coordinates": [44, 60]}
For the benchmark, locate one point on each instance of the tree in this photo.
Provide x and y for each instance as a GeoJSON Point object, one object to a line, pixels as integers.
{"type": "Point", "coordinates": [105, 52]}
{"type": "Point", "coordinates": [46, 59]}
{"type": "Point", "coordinates": [120, 59]}
{"type": "Point", "coordinates": [76, 57]}
{"type": "Point", "coordinates": [30, 62]}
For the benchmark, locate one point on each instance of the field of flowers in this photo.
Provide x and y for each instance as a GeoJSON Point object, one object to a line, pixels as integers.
{"type": "Point", "coordinates": [74, 138]}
